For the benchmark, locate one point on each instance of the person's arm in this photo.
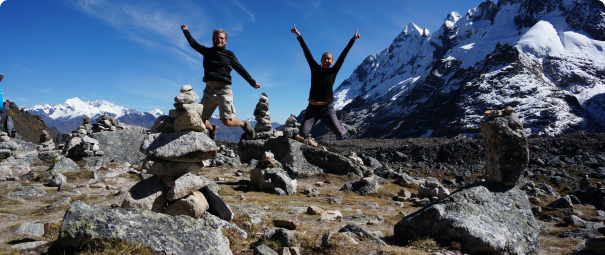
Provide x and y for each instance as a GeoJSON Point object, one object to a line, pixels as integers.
{"type": "Point", "coordinates": [241, 71]}
{"type": "Point", "coordinates": [192, 42]}
{"type": "Point", "coordinates": [343, 55]}
{"type": "Point", "coordinates": [308, 55]}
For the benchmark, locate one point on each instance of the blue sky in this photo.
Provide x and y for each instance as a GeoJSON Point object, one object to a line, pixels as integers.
{"type": "Point", "coordinates": [133, 53]}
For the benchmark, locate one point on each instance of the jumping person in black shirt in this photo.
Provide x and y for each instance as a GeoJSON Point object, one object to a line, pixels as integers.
{"type": "Point", "coordinates": [218, 63]}
{"type": "Point", "coordinates": [321, 95]}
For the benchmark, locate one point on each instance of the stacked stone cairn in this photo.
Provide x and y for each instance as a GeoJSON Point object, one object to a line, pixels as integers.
{"type": "Point", "coordinates": [46, 142]}
{"type": "Point", "coordinates": [292, 126]}
{"type": "Point", "coordinates": [175, 150]}
{"type": "Point", "coordinates": [4, 137]}
{"type": "Point", "coordinates": [7, 148]}
{"type": "Point", "coordinates": [269, 176]}
{"type": "Point", "coordinates": [78, 144]}
{"type": "Point", "coordinates": [107, 123]}
{"type": "Point", "coordinates": [263, 128]}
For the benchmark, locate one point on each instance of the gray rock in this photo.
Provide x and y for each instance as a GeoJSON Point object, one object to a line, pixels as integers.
{"type": "Point", "coordinates": [64, 165]}
{"type": "Point", "coordinates": [485, 218]}
{"type": "Point", "coordinates": [506, 150]}
{"type": "Point", "coordinates": [372, 162]}
{"type": "Point", "coordinates": [35, 247]}
{"type": "Point", "coordinates": [62, 201]}
{"type": "Point", "coordinates": [57, 180]}
{"type": "Point", "coordinates": [331, 162]}
{"type": "Point", "coordinates": [171, 168]}
{"type": "Point", "coordinates": [121, 145]}
{"type": "Point", "coordinates": [279, 192]}
{"type": "Point", "coordinates": [47, 156]}
{"type": "Point", "coordinates": [161, 232]}
{"type": "Point", "coordinates": [364, 186]}
{"type": "Point", "coordinates": [10, 216]}
{"type": "Point", "coordinates": [252, 211]}
{"type": "Point", "coordinates": [563, 202]}
{"type": "Point", "coordinates": [30, 229]}
{"type": "Point", "coordinates": [407, 181]}
{"type": "Point", "coordinates": [188, 146]}
{"type": "Point", "coordinates": [548, 189]}
{"type": "Point", "coordinates": [361, 232]}
{"type": "Point", "coordinates": [186, 185]}
{"type": "Point", "coordinates": [290, 154]}
{"type": "Point", "coordinates": [364, 218]}
{"type": "Point", "coordinates": [184, 107]}
{"type": "Point", "coordinates": [250, 150]}
{"type": "Point", "coordinates": [596, 245]}
{"type": "Point", "coordinates": [264, 250]}
{"type": "Point", "coordinates": [270, 178]}
{"type": "Point", "coordinates": [25, 191]}
{"type": "Point", "coordinates": [194, 205]}
{"type": "Point", "coordinates": [282, 236]}
{"type": "Point", "coordinates": [163, 124]}
{"type": "Point", "coordinates": [190, 120]}
{"type": "Point", "coordinates": [148, 194]}
{"type": "Point", "coordinates": [188, 97]}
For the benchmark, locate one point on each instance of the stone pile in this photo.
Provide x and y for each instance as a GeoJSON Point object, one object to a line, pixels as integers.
{"type": "Point", "coordinates": [81, 145]}
{"type": "Point", "coordinates": [175, 151]}
{"type": "Point", "coordinates": [107, 123]}
{"type": "Point", "coordinates": [263, 127]}
{"type": "Point", "coordinates": [486, 217]}
{"type": "Point", "coordinates": [292, 126]}
{"type": "Point", "coordinates": [46, 142]}
{"type": "Point", "coordinates": [7, 148]}
{"type": "Point", "coordinates": [269, 176]}
{"type": "Point", "coordinates": [4, 137]}
{"type": "Point", "coordinates": [186, 114]}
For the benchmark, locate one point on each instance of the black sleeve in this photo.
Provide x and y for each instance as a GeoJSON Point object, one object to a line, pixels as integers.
{"type": "Point", "coordinates": [241, 71]}
{"type": "Point", "coordinates": [196, 46]}
{"type": "Point", "coordinates": [308, 55]}
{"type": "Point", "coordinates": [343, 55]}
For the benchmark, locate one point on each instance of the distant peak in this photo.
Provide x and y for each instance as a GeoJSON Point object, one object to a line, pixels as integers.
{"type": "Point", "coordinates": [412, 29]}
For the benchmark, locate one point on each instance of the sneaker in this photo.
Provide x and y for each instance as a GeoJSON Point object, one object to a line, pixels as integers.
{"type": "Point", "coordinates": [310, 141]}
{"type": "Point", "coordinates": [299, 138]}
{"type": "Point", "coordinates": [212, 134]}
{"type": "Point", "coordinates": [249, 130]}
{"type": "Point", "coordinates": [350, 130]}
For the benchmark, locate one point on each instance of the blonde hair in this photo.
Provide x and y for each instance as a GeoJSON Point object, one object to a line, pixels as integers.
{"type": "Point", "coordinates": [220, 30]}
{"type": "Point", "coordinates": [322, 55]}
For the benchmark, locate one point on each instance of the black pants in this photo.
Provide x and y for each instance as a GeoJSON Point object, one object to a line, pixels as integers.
{"type": "Point", "coordinates": [324, 113]}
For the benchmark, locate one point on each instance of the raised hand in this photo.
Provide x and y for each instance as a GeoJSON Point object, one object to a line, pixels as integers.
{"type": "Point", "coordinates": [184, 27]}
{"type": "Point", "coordinates": [356, 35]}
{"type": "Point", "coordinates": [295, 31]}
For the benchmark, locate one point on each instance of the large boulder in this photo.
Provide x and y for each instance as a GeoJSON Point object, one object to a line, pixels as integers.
{"type": "Point", "coordinates": [332, 163]}
{"type": "Point", "coordinates": [250, 149]}
{"type": "Point", "coordinates": [64, 165]}
{"type": "Point", "coordinates": [121, 145]}
{"type": "Point", "coordinates": [506, 151]}
{"type": "Point", "coordinates": [163, 233]}
{"type": "Point", "coordinates": [289, 153]}
{"type": "Point", "coordinates": [187, 146]}
{"type": "Point", "coordinates": [485, 218]}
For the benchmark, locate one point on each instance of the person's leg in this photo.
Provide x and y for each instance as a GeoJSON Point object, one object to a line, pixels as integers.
{"type": "Point", "coordinates": [209, 106]}
{"type": "Point", "coordinates": [328, 116]}
{"type": "Point", "coordinates": [308, 121]}
{"type": "Point", "coordinates": [227, 112]}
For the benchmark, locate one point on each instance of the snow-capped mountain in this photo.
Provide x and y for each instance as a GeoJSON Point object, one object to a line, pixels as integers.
{"type": "Point", "coordinates": [68, 116]}
{"type": "Point", "coordinates": [546, 58]}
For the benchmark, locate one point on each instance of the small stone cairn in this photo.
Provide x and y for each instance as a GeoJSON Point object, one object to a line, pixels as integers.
{"type": "Point", "coordinates": [78, 144]}
{"type": "Point", "coordinates": [7, 148]}
{"type": "Point", "coordinates": [4, 137]}
{"type": "Point", "coordinates": [506, 147]}
{"type": "Point", "coordinates": [292, 126]}
{"type": "Point", "coordinates": [108, 123]}
{"type": "Point", "coordinates": [46, 142]}
{"type": "Point", "coordinates": [263, 128]}
{"type": "Point", "coordinates": [269, 176]}
{"type": "Point", "coordinates": [175, 150]}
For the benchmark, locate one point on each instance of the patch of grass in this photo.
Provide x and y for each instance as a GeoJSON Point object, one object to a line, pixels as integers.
{"type": "Point", "coordinates": [559, 230]}
{"type": "Point", "coordinates": [51, 231]}
{"type": "Point", "coordinates": [8, 201]}
{"type": "Point", "coordinates": [9, 251]}
{"type": "Point", "coordinates": [105, 247]}
{"type": "Point", "coordinates": [5, 191]}
{"type": "Point", "coordinates": [424, 243]}
{"type": "Point", "coordinates": [236, 242]}
{"type": "Point", "coordinates": [227, 191]}
{"type": "Point", "coordinates": [566, 243]}
{"type": "Point", "coordinates": [80, 175]}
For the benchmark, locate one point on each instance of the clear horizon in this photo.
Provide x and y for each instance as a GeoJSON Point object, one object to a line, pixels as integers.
{"type": "Point", "coordinates": [133, 54]}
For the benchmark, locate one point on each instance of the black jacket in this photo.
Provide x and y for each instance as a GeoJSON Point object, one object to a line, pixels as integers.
{"type": "Point", "coordinates": [322, 79]}
{"type": "Point", "coordinates": [218, 62]}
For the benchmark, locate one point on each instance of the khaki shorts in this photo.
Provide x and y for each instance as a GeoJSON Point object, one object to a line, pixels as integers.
{"type": "Point", "coordinates": [221, 97]}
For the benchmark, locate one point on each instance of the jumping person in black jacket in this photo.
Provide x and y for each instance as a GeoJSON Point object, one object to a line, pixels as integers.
{"type": "Point", "coordinates": [218, 63]}
{"type": "Point", "coordinates": [321, 95]}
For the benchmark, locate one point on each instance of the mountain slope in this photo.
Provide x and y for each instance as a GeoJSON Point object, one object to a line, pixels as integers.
{"type": "Point", "coordinates": [543, 57]}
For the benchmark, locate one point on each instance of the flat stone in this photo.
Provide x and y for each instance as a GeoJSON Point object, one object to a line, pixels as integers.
{"type": "Point", "coordinates": [171, 168]}
{"type": "Point", "coordinates": [30, 229]}
{"type": "Point", "coordinates": [285, 223]}
{"type": "Point", "coordinates": [148, 194]}
{"type": "Point", "coordinates": [313, 210]}
{"type": "Point", "coordinates": [186, 88]}
{"type": "Point", "coordinates": [331, 215]}
{"type": "Point", "coordinates": [187, 146]}
{"type": "Point", "coordinates": [188, 97]}
{"type": "Point", "coordinates": [186, 185]}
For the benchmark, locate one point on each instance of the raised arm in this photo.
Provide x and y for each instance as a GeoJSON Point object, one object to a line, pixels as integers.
{"type": "Point", "coordinates": [192, 42]}
{"type": "Point", "coordinates": [241, 71]}
{"type": "Point", "coordinates": [343, 55]}
{"type": "Point", "coordinates": [308, 55]}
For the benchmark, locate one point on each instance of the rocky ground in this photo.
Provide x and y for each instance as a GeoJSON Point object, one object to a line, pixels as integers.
{"type": "Point", "coordinates": [32, 210]}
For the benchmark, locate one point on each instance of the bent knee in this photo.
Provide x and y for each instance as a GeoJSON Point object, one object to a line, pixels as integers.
{"type": "Point", "coordinates": [228, 122]}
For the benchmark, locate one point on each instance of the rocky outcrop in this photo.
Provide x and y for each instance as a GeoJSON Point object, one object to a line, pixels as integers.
{"type": "Point", "coordinates": [161, 232]}
{"type": "Point", "coordinates": [28, 126]}
{"type": "Point", "coordinates": [484, 217]}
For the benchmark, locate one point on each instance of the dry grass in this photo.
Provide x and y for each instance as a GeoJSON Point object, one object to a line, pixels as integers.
{"type": "Point", "coordinates": [8, 201]}
{"type": "Point", "coordinates": [566, 243]}
{"type": "Point", "coordinates": [424, 243]}
{"type": "Point", "coordinates": [105, 247]}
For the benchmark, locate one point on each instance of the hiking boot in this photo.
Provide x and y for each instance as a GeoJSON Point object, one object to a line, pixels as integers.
{"type": "Point", "coordinates": [310, 141]}
{"type": "Point", "coordinates": [212, 134]}
{"type": "Point", "coordinates": [249, 130]}
{"type": "Point", "coordinates": [299, 138]}
{"type": "Point", "coordinates": [350, 129]}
